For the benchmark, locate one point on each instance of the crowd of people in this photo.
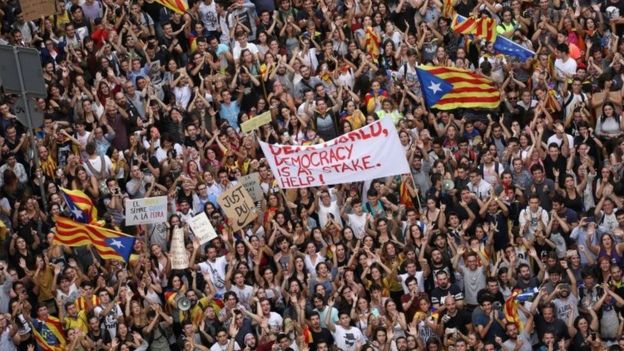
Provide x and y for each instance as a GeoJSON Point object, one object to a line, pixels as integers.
{"type": "Point", "coordinates": [507, 235]}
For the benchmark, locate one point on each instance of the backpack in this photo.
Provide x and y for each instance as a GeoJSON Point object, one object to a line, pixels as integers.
{"type": "Point", "coordinates": [101, 175]}
{"type": "Point", "coordinates": [482, 169]}
{"type": "Point", "coordinates": [571, 97]}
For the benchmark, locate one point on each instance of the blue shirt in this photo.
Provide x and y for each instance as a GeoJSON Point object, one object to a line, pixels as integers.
{"type": "Point", "coordinates": [143, 72]}
{"type": "Point", "coordinates": [229, 112]}
{"type": "Point", "coordinates": [495, 329]}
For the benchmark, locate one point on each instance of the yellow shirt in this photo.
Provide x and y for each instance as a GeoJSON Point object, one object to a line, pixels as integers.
{"type": "Point", "coordinates": [44, 283]}
{"type": "Point", "coordinates": [78, 322]}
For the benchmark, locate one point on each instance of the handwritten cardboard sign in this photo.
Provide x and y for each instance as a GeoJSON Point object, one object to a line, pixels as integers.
{"type": "Point", "coordinates": [251, 183]}
{"type": "Point", "coordinates": [179, 255]}
{"type": "Point", "coordinates": [256, 122]}
{"type": "Point", "coordinates": [238, 207]}
{"type": "Point", "coordinates": [35, 9]}
{"type": "Point", "coordinates": [146, 211]}
{"type": "Point", "coordinates": [202, 228]}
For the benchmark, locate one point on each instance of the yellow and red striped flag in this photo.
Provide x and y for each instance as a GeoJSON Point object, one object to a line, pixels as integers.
{"type": "Point", "coordinates": [110, 244]}
{"type": "Point", "coordinates": [447, 9]}
{"type": "Point", "coordinates": [486, 29]}
{"type": "Point", "coordinates": [483, 27]}
{"type": "Point", "coordinates": [178, 6]}
{"type": "Point", "coordinates": [49, 334]}
{"type": "Point", "coordinates": [80, 205]}
{"type": "Point", "coordinates": [511, 310]}
{"type": "Point", "coordinates": [373, 42]}
{"type": "Point", "coordinates": [448, 88]}
{"type": "Point", "coordinates": [463, 25]}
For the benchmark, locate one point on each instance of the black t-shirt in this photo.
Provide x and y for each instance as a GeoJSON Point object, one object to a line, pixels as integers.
{"type": "Point", "coordinates": [324, 335]}
{"type": "Point", "coordinates": [560, 164]}
{"type": "Point", "coordinates": [532, 283]}
{"type": "Point", "coordinates": [558, 327]}
{"type": "Point", "coordinates": [464, 9]}
{"type": "Point", "coordinates": [438, 294]}
{"type": "Point", "coordinates": [460, 321]}
{"type": "Point", "coordinates": [430, 280]}
{"type": "Point", "coordinates": [579, 344]}
{"type": "Point", "coordinates": [103, 335]}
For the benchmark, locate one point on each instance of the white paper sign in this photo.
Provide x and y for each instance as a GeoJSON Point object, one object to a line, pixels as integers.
{"type": "Point", "coordinates": [373, 151]}
{"type": "Point", "coordinates": [202, 228]}
{"type": "Point", "coordinates": [147, 210]}
{"type": "Point", "coordinates": [179, 255]}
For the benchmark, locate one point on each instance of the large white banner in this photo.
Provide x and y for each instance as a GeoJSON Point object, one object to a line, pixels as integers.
{"type": "Point", "coordinates": [373, 151]}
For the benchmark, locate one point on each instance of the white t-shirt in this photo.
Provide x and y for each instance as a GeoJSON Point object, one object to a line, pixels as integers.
{"type": "Point", "coordinates": [97, 165]}
{"type": "Point", "coordinates": [482, 189]}
{"type": "Point", "coordinates": [358, 224]}
{"type": "Point", "coordinates": [490, 173]}
{"type": "Point", "coordinates": [244, 294]}
{"type": "Point", "coordinates": [565, 68]}
{"type": "Point", "coordinates": [216, 271]}
{"type": "Point", "coordinates": [324, 210]}
{"type": "Point", "coordinates": [419, 277]}
{"type": "Point", "coordinates": [208, 14]}
{"type": "Point", "coordinates": [275, 321]}
{"type": "Point", "coordinates": [555, 139]}
{"type": "Point", "coordinates": [218, 347]}
{"type": "Point", "coordinates": [565, 307]}
{"type": "Point", "coordinates": [236, 52]}
{"type": "Point", "coordinates": [83, 140]}
{"type": "Point", "coordinates": [526, 343]}
{"type": "Point", "coordinates": [110, 321]}
{"type": "Point", "coordinates": [311, 266]}
{"type": "Point", "coordinates": [161, 154]}
{"type": "Point", "coordinates": [347, 338]}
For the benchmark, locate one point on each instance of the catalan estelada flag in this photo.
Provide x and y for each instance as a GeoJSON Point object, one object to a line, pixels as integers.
{"type": "Point", "coordinates": [80, 205]}
{"type": "Point", "coordinates": [511, 309]}
{"type": "Point", "coordinates": [483, 27]}
{"type": "Point", "coordinates": [110, 244]}
{"type": "Point", "coordinates": [193, 43]}
{"type": "Point", "coordinates": [49, 334]}
{"type": "Point", "coordinates": [448, 88]}
{"type": "Point", "coordinates": [447, 9]}
{"type": "Point", "coordinates": [486, 29]}
{"type": "Point", "coordinates": [178, 6]}
{"type": "Point", "coordinates": [463, 25]}
{"type": "Point", "coordinates": [373, 42]}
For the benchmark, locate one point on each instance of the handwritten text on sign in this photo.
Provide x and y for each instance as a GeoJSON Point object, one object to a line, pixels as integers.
{"type": "Point", "coordinates": [251, 182]}
{"type": "Point", "coordinates": [146, 211]}
{"type": "Point", "coordinates": [202, 228]}
{"type": "Point", "coordinates": [35, 9]}
{"type": "Point", "coordinates": [238, 206]}
{"type": "Point", "coordinates": [372, 151]}
{"type": "Point", "coordinates": [178, 253]}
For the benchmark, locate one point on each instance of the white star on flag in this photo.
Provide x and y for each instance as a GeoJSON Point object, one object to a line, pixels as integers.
{"type": "Point", "coordinates": [116, 243]}
{"type": "Point", "coordinates": [435, 87]}
{"type": "Point", "coordinates": [77, 213]}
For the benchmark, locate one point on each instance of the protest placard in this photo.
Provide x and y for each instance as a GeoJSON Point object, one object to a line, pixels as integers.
{"type": "Point", "coordinates": [202, 228]}
{"type": "Point", "coordinates": [147, 210]}
{"type": "Point", "coordinates": [35, 9]}
{"type": "Point", "coordinates": [256, 122]}
{"type": "Point", "coordinates": [238, 206]}
{"type": "Point", "coordinates": [251, 183]}
{"type": "Point", "coordinates": [179, 255]}
{"type": "Point", "coordinates": [373, 151]}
